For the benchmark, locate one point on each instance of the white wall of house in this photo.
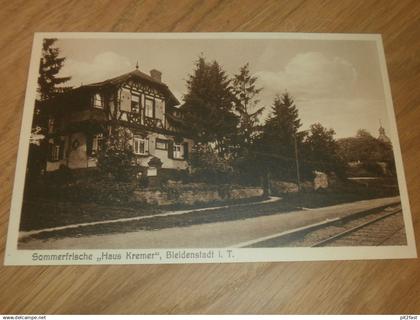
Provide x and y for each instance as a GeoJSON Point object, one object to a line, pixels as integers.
{"type": "Point", "coordinates": [163, 154]}
{"type": "Point", "coordinates": [74, 153]}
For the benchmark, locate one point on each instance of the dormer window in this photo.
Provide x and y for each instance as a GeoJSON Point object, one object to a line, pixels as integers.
{"type": "Point", "coordinates": [98, 102]}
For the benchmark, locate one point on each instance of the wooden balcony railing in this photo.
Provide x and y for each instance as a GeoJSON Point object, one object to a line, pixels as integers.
{"type": "Point", "coordinates": [153, 123]}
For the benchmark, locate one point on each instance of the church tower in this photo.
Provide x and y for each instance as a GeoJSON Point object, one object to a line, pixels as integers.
{"type": "Point", "coordinates": [382, 136]}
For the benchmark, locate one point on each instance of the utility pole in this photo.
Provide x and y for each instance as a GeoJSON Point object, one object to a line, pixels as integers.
{"type": "Point", "coordinates": [297, 163]}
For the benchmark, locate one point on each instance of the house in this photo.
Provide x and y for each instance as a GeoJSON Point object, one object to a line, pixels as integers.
{"type": "Point", "coordinates": [80, 120]}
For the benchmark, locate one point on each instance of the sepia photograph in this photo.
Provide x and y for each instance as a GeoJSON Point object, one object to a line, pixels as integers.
{"type": "Point", "coordinates": [178, 148]}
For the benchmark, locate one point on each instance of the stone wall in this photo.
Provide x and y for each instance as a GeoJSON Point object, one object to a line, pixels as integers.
{"type": "Point", "coordinates": [279, 187]}
{"type": "Point", "coordinates": [282, 187]}
{"type": "Point", "coordinates": [198, 195]}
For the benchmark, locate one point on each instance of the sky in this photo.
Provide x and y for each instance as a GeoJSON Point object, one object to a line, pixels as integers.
{"type": "Point", "coordinates": [334, 82]}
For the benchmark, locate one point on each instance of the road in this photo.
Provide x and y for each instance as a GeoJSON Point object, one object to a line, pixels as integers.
{"type": "Point", "coordinates": [210, 235]}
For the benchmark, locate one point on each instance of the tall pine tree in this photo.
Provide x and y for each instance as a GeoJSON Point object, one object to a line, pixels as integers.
{"type": "Point", "coordinates": [283, 122]}
{"type": "Point", "coordinates": [246, 105]}
{"type": "Point", "coordinates": [280, 137]}
{"type": "Point", "coordinates": [48, 86]}
{"type": "Point", "coordinates": [321, 151]}
{"type": "Point", "coordinates": [209, 106]}
{"type": "Point", "coordinates": [49, 67]}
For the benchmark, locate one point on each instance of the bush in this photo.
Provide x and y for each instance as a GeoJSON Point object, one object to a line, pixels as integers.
{"type": "Point", "coordinates": [62, 176]}
{"type": "Point", "coordinates": [120, 164]}
{"type": "Point", "coordinates": [373, 168]}
{"type": "Point", "coordinates": [99, 190]}
{"type": "Point", "coordinates": [210, 167]}
{"type": "Point", "coordinates": [117, 158]}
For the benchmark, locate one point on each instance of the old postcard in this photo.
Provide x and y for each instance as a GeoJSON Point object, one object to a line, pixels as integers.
{"type": "Point", "coordinates": [208, 147]}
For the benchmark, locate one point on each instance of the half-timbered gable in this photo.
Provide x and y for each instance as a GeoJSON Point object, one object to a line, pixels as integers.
{"type": "Point", "coordinates": [79, 121]}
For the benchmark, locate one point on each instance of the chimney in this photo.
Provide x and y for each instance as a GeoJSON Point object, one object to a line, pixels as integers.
{"type": "Point", "coordinates": [156, 74]}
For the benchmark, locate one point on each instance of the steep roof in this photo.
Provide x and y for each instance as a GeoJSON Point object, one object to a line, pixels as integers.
{"type": "Point", "coordinates": [120, 79]}
{"type": "Point", "coordinates": [136, 74]}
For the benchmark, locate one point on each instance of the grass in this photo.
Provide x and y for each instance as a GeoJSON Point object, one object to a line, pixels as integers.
{"type": "Point", "coordinates": [47, 213]}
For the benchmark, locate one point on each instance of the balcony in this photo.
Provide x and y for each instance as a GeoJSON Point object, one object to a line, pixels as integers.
{"type": "Point", "coordinates": [153, 123]}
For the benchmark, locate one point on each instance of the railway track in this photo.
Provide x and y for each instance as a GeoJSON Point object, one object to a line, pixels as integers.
{"type": "Point", "coordinates": [379, 226]}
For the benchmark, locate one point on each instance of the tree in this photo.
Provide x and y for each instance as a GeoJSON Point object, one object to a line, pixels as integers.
{"type": "Point", "coordinates": [49, 67]}
{"type": "Point", "coordinates": [363, 134]}
{"type": "Point", "coordinates": [117, 158]}
{"type": "Point", "coordinates": [280, 138]}
{"type": "Point", "coordinates": [284, 120]}
{"type": "Point", "coordinates": [246, 105]}
{"type": "Point", "coordinates": [321, 151]}
{"type": "Point", "coordinates": [209, 166]}
{"type": "Point", "coordinates": [208, 107]}
{"type": "Point", "coordinates": [364, 147]}
{"type": "Point", "coordinates": [48, 86]}
{"type": "Point", "coordinates": [368, 151]}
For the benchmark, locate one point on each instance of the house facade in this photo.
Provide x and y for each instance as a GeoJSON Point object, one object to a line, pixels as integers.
{"type": "Point", "coordinates": [139, 105]}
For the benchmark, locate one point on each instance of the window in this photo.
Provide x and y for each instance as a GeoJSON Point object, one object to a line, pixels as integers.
{"type": "Point", "coordinates": [98, 101]}
{"type": "Point", "coordinates": [125, 100]}
{"type": "Point", "coordinates": [55, 152]}
{"type": "Point", "coordinates": [140, 146]}
{"type": "Point", "coordinates": [93, 144]}
{"type": "Point", "coordinates": [178, 154]}
{"type": "Point", "coordinates": [135, 103]}
{"type": "Point", "coordinates": [150, 108]}
{"type": "Point", "coordinates": [97, 143]}
{"type": "Point", "coordinates": [51, 125]}
{"type": "Point", "coordinates": [161, 144]}
{"type": "Point", "coordinates": [159, 108]}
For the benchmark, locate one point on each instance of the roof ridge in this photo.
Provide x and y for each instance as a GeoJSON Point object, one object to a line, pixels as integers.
{"type": "Point", "coordinates": [125, 76]}
{"type": "Point", "coordinates": [122, 78]}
